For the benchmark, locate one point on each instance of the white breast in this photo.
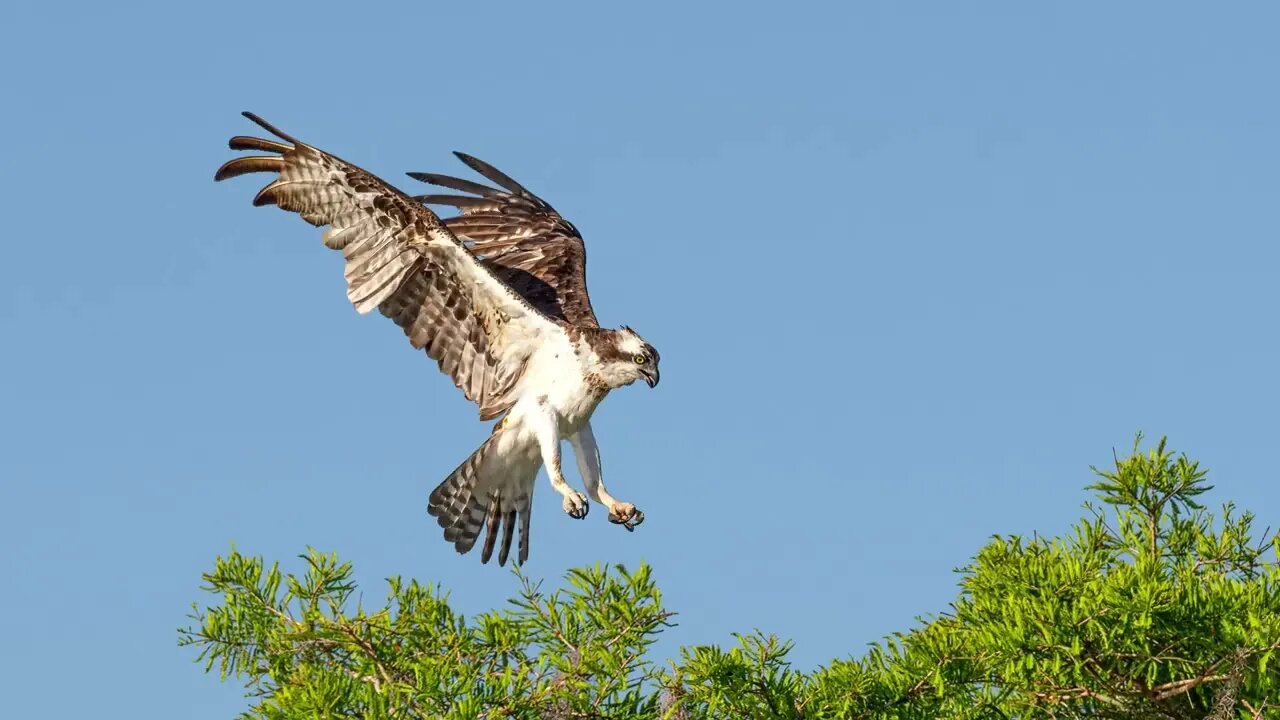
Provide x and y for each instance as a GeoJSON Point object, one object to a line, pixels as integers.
{"type": "Point", "coordinates": [555, 373]}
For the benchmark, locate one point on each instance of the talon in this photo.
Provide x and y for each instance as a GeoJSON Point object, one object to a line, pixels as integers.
{"type": "Point", "coordinates": [575, 504]}
{"type": "Point", "coordinates": [626, 515]}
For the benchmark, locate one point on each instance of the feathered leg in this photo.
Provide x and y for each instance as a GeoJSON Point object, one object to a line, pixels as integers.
{"type": "Point", "coordinates": [588, 455]}
{"type": "Point", "coordinates": [547, 430]}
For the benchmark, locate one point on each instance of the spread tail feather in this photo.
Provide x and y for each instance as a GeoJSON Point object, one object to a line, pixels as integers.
{"type": "Point", "coordinates": [483, 491]}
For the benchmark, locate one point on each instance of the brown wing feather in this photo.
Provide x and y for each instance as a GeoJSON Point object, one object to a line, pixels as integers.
{"type": "Point", "coordinates": [520, 239]}
{"type": "Point", "coordinates": [401, 259]}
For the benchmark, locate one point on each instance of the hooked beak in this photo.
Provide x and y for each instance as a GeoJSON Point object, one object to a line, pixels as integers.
{"type": "Point", "coordinates": [651, 376]}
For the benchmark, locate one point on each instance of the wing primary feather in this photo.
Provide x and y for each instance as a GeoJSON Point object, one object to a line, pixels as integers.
{"type": "Point", "coordinates": [266, 196]}
{"type": "Point", "coordinates": [245, 165]}
{"type": "Point", "coordinates": [458, 201]}
{"type": "Point", "coordinates": [455, 183]}
{"type": "Point", "coordinates": [244, 142]}
{"type": "Point", "coordinates": [492, 173]}
{"type": "Point", "coordinates": [271, 128]}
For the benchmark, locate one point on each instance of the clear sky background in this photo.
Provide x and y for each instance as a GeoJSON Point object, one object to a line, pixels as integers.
{"type": "Point", "coordinates": [911, 271]}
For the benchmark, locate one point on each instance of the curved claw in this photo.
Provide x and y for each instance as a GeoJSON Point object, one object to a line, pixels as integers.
{"type": "Point", "coordinates": [626, 515]}
{"type": "Point", "coordinates": [575, 504]}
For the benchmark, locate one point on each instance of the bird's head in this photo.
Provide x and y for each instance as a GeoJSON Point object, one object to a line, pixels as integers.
{"type": "Point", "coordinates": [626, 358]}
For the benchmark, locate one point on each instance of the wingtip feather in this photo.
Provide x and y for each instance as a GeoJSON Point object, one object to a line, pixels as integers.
{"type": "Point", "coordinates": [269, 127]}
{"type": "Point", "coordinates": [245, 142]}
{"type": "Point", "coordinates": [456, 184]}
{"type": "Point", "coordinates": [265, 196]}
{"type": "Point", "coordinates": [458, 201]}
{"type": "Point", "coordinates": [492, 173]}
{"type": "Point", "coordinates": [245, 165]}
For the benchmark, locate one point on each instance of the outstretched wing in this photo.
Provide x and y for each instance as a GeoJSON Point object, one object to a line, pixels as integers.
{"type": "Point", "coordinates": [401, 259]}
{"type": "Point", "coordinates": [521, 239]}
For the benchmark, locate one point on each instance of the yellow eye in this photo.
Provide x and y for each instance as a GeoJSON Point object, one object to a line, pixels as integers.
{"type": "Point", "coordinates": [640, 359]}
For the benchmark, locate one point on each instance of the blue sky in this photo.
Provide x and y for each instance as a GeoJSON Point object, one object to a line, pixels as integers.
{"type": "Point", "coordinates": [911, 270]}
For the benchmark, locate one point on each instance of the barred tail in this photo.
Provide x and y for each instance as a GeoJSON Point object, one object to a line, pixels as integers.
{"type": "Point", "coordinates": [483, 492]}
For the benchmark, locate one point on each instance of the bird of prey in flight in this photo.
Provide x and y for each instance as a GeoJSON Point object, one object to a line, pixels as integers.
{"type": "Point", "coordinates": [497, 296]}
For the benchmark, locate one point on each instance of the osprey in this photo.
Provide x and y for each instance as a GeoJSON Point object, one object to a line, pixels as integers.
{"type": "Point", "coordinates": [497, 296]}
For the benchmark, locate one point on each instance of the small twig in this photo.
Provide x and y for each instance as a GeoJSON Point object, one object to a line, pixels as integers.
{"type": "Point", "coordinates": [371, 651]}
{"type": "Point", "coordinates": [1178, 687]}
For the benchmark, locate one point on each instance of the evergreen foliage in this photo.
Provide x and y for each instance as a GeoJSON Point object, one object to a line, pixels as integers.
{"type": "Point", "coordinates": [1150, 607]}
